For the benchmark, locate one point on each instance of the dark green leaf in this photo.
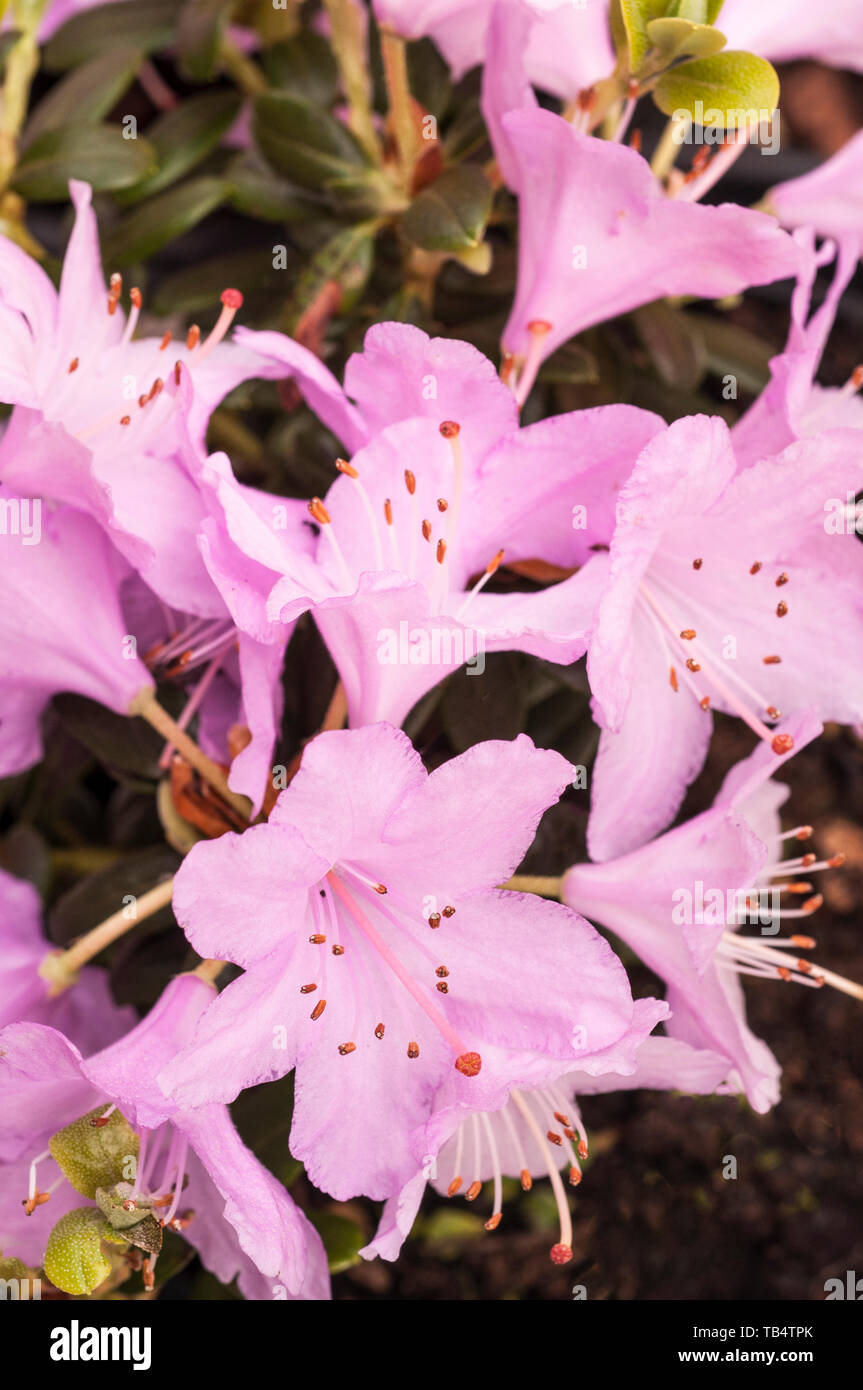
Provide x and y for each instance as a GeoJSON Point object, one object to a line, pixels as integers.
{"type": "Point", "coordinates": [674, 343]}
{"type": "Point", "coordinates": [86, 94]}
{"type": "Point", "coordinates": [150, 227]}
{"type": "Point", "coordinates": [450, 215]}
{"type": "Point", "coordinates": [256, 192]}
{"type": "Point", "coordinates": [303, 142]}
{"type": "Point", "coordinates": [263, 1116]}
{"type": "Point", "coordinates": [98, 154]}
{"type": "Point", "coordinates": [109, 28]}
{"type": "Point", "coordinates": [197, 288]}
{"type": "Point", "coordinates": [429, 77]}
{"type": "Point", "coordinates": [343, 1239]}
{"type": "Point", "coordinates": [24, 853]}
{"type": "Point", "coordinates": [129, 745]}
{"type": "Point", "coordinates": [466, 134]}
{"type": "Point", "coordinates": [488, 704]}
{"type": "Point", "coordinates": [107, 891]}
{"type": "Point", "coordinates": [200, 30]}
{"type": "Point", "coordinates": [347, 259]}
{"type": "Point", "coordinates": [305, 66]}
{"type": "Point", "coordinates": [183, 137]}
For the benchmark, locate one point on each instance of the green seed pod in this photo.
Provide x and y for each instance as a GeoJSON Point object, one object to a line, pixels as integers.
{"type": "Point", "coordinates": [93, 1156]}
{"type": "Point", "coordinates": [74, 1259]}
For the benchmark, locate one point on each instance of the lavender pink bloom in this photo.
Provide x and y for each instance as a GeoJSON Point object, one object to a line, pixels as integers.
{"type": "Point", "coordinates": [540, 1130]}
{"type": "Point", "coordinates": [385, 965]}
{"type": "Point", "coordinates": [717, 598]}
{"type": "Point", "coordinates": [86, 1014]}
{"type": "Point", "coordinates": [61, 625]}
{"type": "Point", "coordinates": [598, 235]}
{"type": "Point", "coordinates": [679, 903]}
{"type": "Point", "coordinates": [244, 1223]}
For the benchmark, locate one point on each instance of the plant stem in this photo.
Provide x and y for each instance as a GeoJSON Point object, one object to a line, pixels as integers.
{"type": "Point", "coordinates": [394, 54]}
{"type": "Point", "coordinates": [61, 969]}
{"type": "Point", "coordinates": [667, 150]}
{"type": "Point", "coordinates": [209, 970]}
{"type": "Point", "coordinates": [349, 45]}
{"type": "Point", "coordinates": [337, 710]}
{"type": "Point", "coordinates": [547, 886]}
{"type": "Point", "coordinates": [147, 706]}
{"type": "Point", "coordinates": [21, 64]}
{"type": "Point", "coordinates": [246, 73]}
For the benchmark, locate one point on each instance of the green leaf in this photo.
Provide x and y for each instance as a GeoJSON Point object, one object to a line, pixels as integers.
{"type": "Point", "coordinates": [150, 227]}
{"type": "Point", "coordinates": [263, 1116]}
{"type": "Point", "coordinates": [98, 154]}
{"type": "Point", "coordinates": [196, 288]}
{"type": "Point", "coordinates": [305, 66]}
{"type": "Point", "coordinates": [92, 1156]}
{"type": "Point", "coordinates": [680, 38]}
{"type": "Point", "coordinates": [255, 192]}
{"type": "Point", "coordinates": [482, 704]}
{"type": "Point", "coordinates": [700, 11]}
{"type": "Point", "coordinates": [183, 137]}
{"type": "Point", "coordinates": [125, 745]}
{"type": "Point", "coordinates": [727, 85]}
{"type": "Point", "coordinates": [674, 343]}
{"type": "Point", "coordinates": [108, 890]}
{"type": "Point", "coordinates": [74, 1259]}
{"type": "Point", "coordinates": [200, 29]}
{"type": "Point", "coordinates": [343, 1239]}
{"type": "Point", "coordinates": [452, 214]}
{"type": "Point", "coordinates": [110, 28]}
{"type": "Point", "coordinates": [629, 20]}
{"type": "Point", "coordinates": [731, 349]}
{"type": "Point", "coordinates": [303, 142]}
{"type": "Point", "coordinates": [86, 94]}
{"type": "Point", "coordinates": [347, 258]}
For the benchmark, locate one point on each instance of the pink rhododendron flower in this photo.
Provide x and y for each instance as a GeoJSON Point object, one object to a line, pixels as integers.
{"type": "Point", "coordinates": [681, 901]}
{"type": "Point", "coordinates": [235, 1213]}
{"type": "Point", "coordinates": [98, 415]}
{"type": "Point", "coordinates": [598, 236]}
{"type": "Point", "coordinates": [784, 30]}
{"type": "Point", "coordinates": [385, 965]}
{"type": "Point", "coordinates": [416, 526]}
{"type": "Point", "coordinates": [86, 1014]}
{"type": "Point", "coordinates": [538, 1131]}
{"type": "Point", "coordinates": [400, 373]}
{"type": "Point", "coordinates": [716, 598]}
{"type": "Point", "coordinates": [569, 46]}
{"type": "Point", "coordinates": [792, 406]}
{"type": "Point", "coordinates": [830, 198]}
{"type": "Point", "coordinates": [61, 627]}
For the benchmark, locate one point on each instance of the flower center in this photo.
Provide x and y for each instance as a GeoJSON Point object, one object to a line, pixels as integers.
{"type": "Point", "coordinates": [431, 545]}
{"type": "Point", "coordinates": [142, 413]}
{"type": "Point", "coordinates": [348, 915]}
{"type": "Point", "coordinates": [693, 664]}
